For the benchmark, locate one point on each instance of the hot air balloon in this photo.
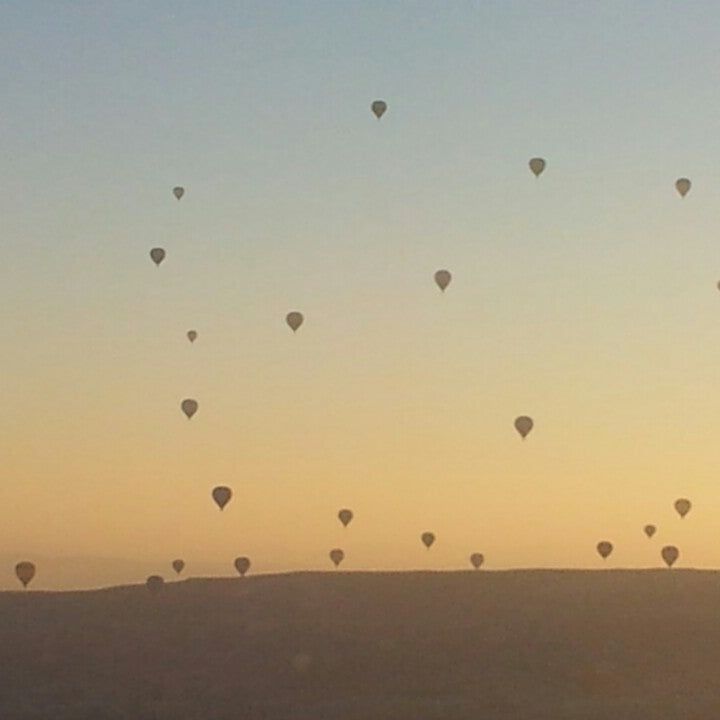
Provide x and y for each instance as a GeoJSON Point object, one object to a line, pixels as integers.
{"type": "Point", "coordinates": [523, 425]}
{"type": "Point", "coordinates": [189, 407]}
{"type": "Point", "coordinates": [337, 556]}
{"type": "Point", "coordinates": [242, 565]}
{"type": "Point", "coordinates": [294, 320]}
{"type": "Point", "coordinates": [428, 539]}
{"type": "Point", "coordinates": [178, 566]}
{"type": "Point", "coordinates": [670, 554]}
{"type": "Point", "coordinates": [178, 192]}
{"type": "Point", "coordinates": [379, 107]}
{"type": "Point", "coordinates": [192, 335]}
{"type": "Point", "coordinates": [476, 560]}
{"type": "Point", "coordinates": [649, 530]}
{"type": "Point", "coordinates": [157, 255]}
{"type": "Point", "coordinates": [604, 549]}
{"type": "Point", "coordinates": [155, 583]}
{"type": "Point", "coordinates": [25, 572]}
{"type": "Point", "coordinates": [682, 506]}
{"type": "Point", "coordinates": [537, 165]}
{"type": "Point", "coordinates": [345, 517]}
{"type": "Point", "coordinates": [442, 279]}
{"type": "Point", "coordinates": [683, 185]}
{"type": "Point", "coordinates": [222, 495]}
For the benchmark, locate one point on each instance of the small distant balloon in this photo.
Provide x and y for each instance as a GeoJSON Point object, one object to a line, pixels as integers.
{"type": "Point", "coordinates": [242, 565]}
{"type": "Point", "coordinates": [178, 192]}
{"type": "Point", "coordinates": [379, 107]}
{"type": "Point", "coordinates": [189, 407]}
{"type": "Point", "coordinates": [524, 425]}
{"type": "Point", "coordinates": [178, 566]}
{"type": "Point", "coordinates": [649, 530]}
{"type": "Point", "coordinates": [25, 572]}
{"type": "Point", "coordinates": [345, 516]}
{"type": "Point", "coordinates": [670, 554]}
{"type": "Point", "coordinates": [683, 185]}
{"type": "Point", "coordinates": [682, 507]}
{"type": "Point", "coordinates": [476, 560]}
{"type": "Point", "coordinates": [221, 495]}
{"type": "Point", "coordinates": [155, 583]}
{"type": "Point", "coordinates": [192, 335]}
{"type": "Point", "coordinates": [442, 279]}
{"type": "Point", "coordinates": [157, 255]}
{"type": "Point", "coordinates": [604, 549]}
{"type": "Point", "coordinates": [337, 556]}
{"type": "Point", "coordinates": [537, 165]}
{"type": "Point", "coordinates": [294, 320]}
{"type": "Point", "coordinates": [428, 539]}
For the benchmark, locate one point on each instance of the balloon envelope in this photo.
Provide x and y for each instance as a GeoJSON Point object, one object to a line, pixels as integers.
{"type": "Point", "coordinates": [192, 335]}
{"type": "Point", "coordinates": [524, 425]}
{"type": "Point", "coordinates": [649, 530]}
{"type": "Point", "coordinates": [178, 192]}
{"type": "Point", "coordinates": [345, 517]}
{"type": "Point", "coordinates": [476, 560]}
{"type": "Point", "coordinates": [379, 107]}
{"type": "Point", "coordinates": [682, 506]}
{"type": "Point", "coordinates": [683, 185]}
{"type": "Point", "coordinates": [154, 583]}
{"type": "Point", "coordinates": [178, 566]}
{"type": "Point", "coordinates": [604, 549]}
{"type": "Point", "coordinates": [537, 165]}
{"type": "Point", "coordinates": [294, 320]}
{"type": "Point", "coordinates": [428, 539]}
{"type": "Point", "coordinates": [443, 278]}
{"type": "Point", "coordinates": [157, 255]}
{"type": "Point", "coordinates": [337, 556]}
{"type": "Point", "coordinates": [189, 407]}
{"type": "Point", "coordinates": [670, 554]}
{"type": "Point", "coordinates": [242, 565]}
{"type": "Point", "coordinates": [221, 495]}
{"type": "Point", "coordinates": [25, 572]}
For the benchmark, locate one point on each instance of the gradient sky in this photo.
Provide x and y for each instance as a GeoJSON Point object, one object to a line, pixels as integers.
{"type": "Point", "coordinates": [586, 298]}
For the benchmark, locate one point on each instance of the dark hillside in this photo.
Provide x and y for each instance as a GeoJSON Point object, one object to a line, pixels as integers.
{"type": "Point", "coordinates": [614, 645]}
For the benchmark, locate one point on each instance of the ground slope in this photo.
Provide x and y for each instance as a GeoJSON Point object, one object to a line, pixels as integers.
{"type": "Point", "coordinates": [370, 646]}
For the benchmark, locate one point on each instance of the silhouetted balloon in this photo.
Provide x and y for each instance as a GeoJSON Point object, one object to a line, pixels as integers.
{"type": "Point", "coordinates": [294, 320]}
{"type": "Point", "coordinates": [178, 566]}
{"type": "Point", "coordinates": [476, 560]}
{"type": "Point", "coordinates": [428, 539]}
{"type": "Point", "coordinates": [443, 278]}
{"type": "Point", "coordinates": [682, 506]}
{"type": "Point", "coordinates": [604, 549]}
{"type": "Point", "coordinates": [242, 565]}
{"type": "Point", "coordinates": [379, 107]}
{"type": "Point", "coordinates": [189, 407]}
{"type": "Point", "coordinates": [221, 495]}
{"type": "Point", "coordinates": [25, 572]}
{"type": "Point", "coordinates": [192, 335]}
{"type": "Point", "coordinates": [337, 556]}
{"type": "Point", "coordinates": [537, 165]}
{"type": "Point", "coordinates": [155, 583]}
{"type": "Point", "coordinates": [650, 530]}
{"type": "Point", "coordinates": [670, 554]}
{"type": "Point", "coordinates": [523, 425]}
{"type": "Point", "coordinates": [345, 517]}
{"type": "Point", "coordinates": [157, 255]}
{"type": "Point", "coordinates": [683, 185]}
{"type": "Point", "coordinates": [178, 192]}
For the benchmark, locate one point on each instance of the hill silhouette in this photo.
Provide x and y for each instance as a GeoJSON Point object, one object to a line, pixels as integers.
{"type": "Point", "coordinates": [373, 646]}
